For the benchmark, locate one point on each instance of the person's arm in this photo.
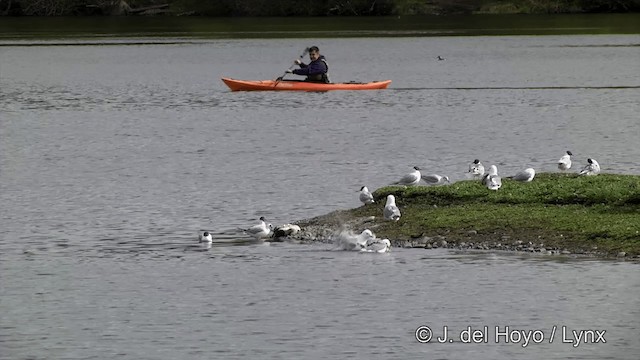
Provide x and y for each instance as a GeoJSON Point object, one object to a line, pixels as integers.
{"type": "Point", "coordinates": [316, 67]}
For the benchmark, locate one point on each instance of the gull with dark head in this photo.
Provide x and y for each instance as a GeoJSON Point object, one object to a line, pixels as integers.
{"type": "Point", "coordinates": [205, 237]}
{"type": "Point", "coordinates": [261, 230]}
{"type": "Point", "coordinates": [491, 179]}
{"type": "Point", "coordinates": [412, 178]}
{"type": "Point", "coordinates": [391, 211]}
{"type": "Point", "coordinates": [435, 179]}
{"type": "Point", "coordinates": [564, 163]}
{"type": "Point", "coordinates": [285, 230]}
{"type": "Point", "coordinates": [525, 175]}
{"type": "Point", "coordinates": [365, 196]}
{"type": "Point", "coordinates": [476, 168]}
{"type": "Point", "coordinates": [592, 168]}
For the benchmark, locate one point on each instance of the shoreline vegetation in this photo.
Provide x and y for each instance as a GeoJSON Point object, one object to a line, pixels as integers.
{"type": "Point", "coordinates": [304, 8]}
{"type": "Point", "coordinates": [597, 216]}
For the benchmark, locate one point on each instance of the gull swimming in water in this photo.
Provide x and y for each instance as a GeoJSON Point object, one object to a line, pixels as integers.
{"type": "Point", "coordinates": [377, 246]}
{"type": "Point", "coordinates": [592, 168]}
{"type": "Point", "coordinates": [205, 237]}
{"type": "Point", "coordinates": [391, 211]}
{"type": "Point", "coordinates": [365, 196]}
{"type": "Point", "coordinates": [565, 161]}
{"type": "Point", "coordinates": [412, 178]}
{"type": "Point", "coordinates": [476, 168]}
{"type": "Point", "coordinates": [435, 179]}
{"type": "Point", "coordinates": [525, 175]}
{"type": "Point", "coordinates": [346, 240]}
{"type": "Point", "coordinates": [285, 230]}
{"type": "Point", "coordinates": [491, 179]}
{"type": "Point", "coordinates": [261, 230]}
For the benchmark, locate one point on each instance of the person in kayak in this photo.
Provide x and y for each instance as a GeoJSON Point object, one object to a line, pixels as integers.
{"type": "Point", "coordinates": [316, 70]}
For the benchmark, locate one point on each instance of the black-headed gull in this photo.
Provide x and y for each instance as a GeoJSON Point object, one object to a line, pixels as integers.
{"type": "Point", "coordinates": [205, 237]}
{"type": "Point", "coordinates": [491, 179]}
{"type": "Point", "coordinates": [365, 196]}
{"type": "Point", "coordinates": [435, 179]}
{"type": "Point", "coordinates": [285, 230]}
{"type": "Point", "coordinates": [592, 168]}
{"type": "Point", "coordinates": [476, 168]}
{"type": "Point", "coordinates": [391, 211]}
{"type": "Point", "coordinates": [564, 163]}
{"type": "Point", "coordinates": [346, 240]}
{"type": "Point", "coordinates": [525, 175]}
{"type": "Point", "coordinates": [377, 246]}
{"type": "Point", "coordinates": [412, 178]}
{"type": "Point", "coordinates": [261, 230]}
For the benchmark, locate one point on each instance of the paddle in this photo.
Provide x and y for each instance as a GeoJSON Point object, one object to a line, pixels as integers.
{"type": "Point", "coordinates": [306, 50]}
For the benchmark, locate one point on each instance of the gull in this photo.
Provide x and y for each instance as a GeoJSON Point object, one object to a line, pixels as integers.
{"type": "Point", "coordinates": [391, 211]}
{"type": "Point", "coordinates": [346, 240]}
{"type": "Point", "coordinates": [491, 179]}
{"type": "Point", "coordinates": [476, 168]}
{"type": "Point", "coordinates": [440, 58]}
{"type": "Point", "coordinates": [286, 230]}
{"type": "Point", "coordinates": [378, 246]}
{"type": "Point", "coordinates": [525, 175]}
{"type": "Point", "coordinates": [365, 196]}
{"type": "Point", "coordinates": [205, 237]}
{"type": "Point", "coordinates": [412, 178]}
{"type": "Point", "coordinates": [261, 230]}
{"type": "Point", "coordinates": [435, 179]}
{"type": "Point", "coordinates": [592, 168]}
{"type": "Point", "coordinates": [565, 161]}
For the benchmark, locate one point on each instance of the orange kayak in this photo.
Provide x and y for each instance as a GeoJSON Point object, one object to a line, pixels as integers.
{"type": "Point", "coordinates": [294, 85]}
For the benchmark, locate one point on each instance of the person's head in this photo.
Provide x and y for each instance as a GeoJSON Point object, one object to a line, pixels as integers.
{"type": "Point", "coordinates": [314, 53]}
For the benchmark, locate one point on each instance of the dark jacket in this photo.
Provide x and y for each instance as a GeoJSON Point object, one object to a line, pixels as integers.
{"type": "Point", "coordinates": [315, 71]}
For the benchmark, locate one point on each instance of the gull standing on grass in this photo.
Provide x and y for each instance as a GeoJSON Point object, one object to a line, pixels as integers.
{"type": "Point", "coordinates": [476, 168]}
{"type": "Point", "coordinates": [412, 178]}
{"type": "Point", "coordinates": [365, 196]}
{"type": "Point", "coordinates": [491, 179]}
{"type": "Point", "coordinates": [261, 230]}
{"type": "Point", "coordinates": [525, 175]}
{"type": "Point", "coordinates": [565, 161]}
{"type": "Point", "coordinates": [592, 168]}
{"type": "Point", "coordinates": [391, 211]}
{"type": "Point", "coordinates": [435, 179]}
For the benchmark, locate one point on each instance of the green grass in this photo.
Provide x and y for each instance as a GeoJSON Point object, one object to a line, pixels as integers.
{"type": "Point", "coordinates": [581, 214]}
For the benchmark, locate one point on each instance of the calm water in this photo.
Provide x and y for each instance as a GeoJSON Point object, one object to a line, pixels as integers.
{"type": "Point", "coordinates": [112, 158]}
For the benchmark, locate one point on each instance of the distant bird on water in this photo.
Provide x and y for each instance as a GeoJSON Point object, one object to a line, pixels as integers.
{"type": "Point", "coordinates": [377, 246]}
{"type": "Point", "coordinates": [440, 58]}
{"type": "Point", "coordinates": [261, 230]}
{"type": "Point", "coordinates": [412, 178]}
{"type": "Point", "coordinates": [205, 237]}
{"type": "Point", "coordinates": [525, 175]}
{"type": "Point", "coordinates": [592, 168]}
{"type": "Point", "coordinates": [391, 211]}
{"type": "Point", "coordinates": [365, 196]}
{"type": "Point", "coordinates": [346, 240]}
{"type": "Point", "coordinates": [565, 161]}
{"type": "Point", "coordinates": [285, 230]}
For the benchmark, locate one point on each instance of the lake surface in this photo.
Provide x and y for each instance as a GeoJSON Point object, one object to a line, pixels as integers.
{"type": "Point", "coordinates": [115, 153]}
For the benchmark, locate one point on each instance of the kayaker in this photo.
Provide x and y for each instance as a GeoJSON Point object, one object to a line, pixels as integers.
{"type": "Point", "coordinates": [316, 70]}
